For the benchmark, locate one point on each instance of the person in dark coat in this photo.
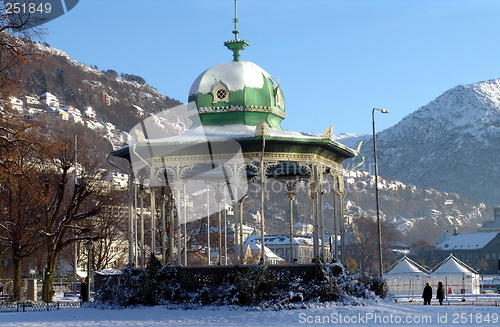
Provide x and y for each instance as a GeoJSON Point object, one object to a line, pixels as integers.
{"type": "Point", "coordinates": [84, 291]}
{"type": "Point", "coordinates": [427, 295]}
{"type": "Point", "coordinates": [440, 293]}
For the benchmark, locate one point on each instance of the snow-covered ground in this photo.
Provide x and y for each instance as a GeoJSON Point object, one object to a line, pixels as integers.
{"type": "Point", "coordinates": [384, 313]}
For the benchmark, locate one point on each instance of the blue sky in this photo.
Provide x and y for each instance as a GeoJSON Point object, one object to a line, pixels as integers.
{"type": "Point", "coordinates": [335, 60]}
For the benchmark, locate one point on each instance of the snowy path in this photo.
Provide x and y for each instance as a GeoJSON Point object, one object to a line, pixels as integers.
{"type": "Point", "coordinates": [385, 313]}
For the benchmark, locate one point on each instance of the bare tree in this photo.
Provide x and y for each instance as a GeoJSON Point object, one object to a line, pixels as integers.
{"type": "Point", "coordinates": [71, 186]}
{"type": "Point", "coordinates": [364, 245]}
{"type": "Point", "coordinates": [19, 197]}
{"type": "Point", "coordinates": [16, 48]}
{"type": "Point", "coordinates": [18, 142]}
{"type": "Point", "coordinates": [109, 228]}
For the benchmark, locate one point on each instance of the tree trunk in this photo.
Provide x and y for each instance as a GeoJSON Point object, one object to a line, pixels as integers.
{"type": "Point", "coordinates": [48, 279]}
{"type": "Point", "coordinates": [17, 262]}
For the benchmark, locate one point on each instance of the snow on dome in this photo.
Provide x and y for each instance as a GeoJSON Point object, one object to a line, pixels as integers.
{"type": "Point", "coordinates": [235, 75]}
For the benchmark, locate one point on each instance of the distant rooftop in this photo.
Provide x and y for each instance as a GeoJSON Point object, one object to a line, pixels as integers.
{"type": "Point", "coordinates": [467, 241]}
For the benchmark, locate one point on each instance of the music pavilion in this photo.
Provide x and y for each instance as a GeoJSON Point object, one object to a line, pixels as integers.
{"type": "Point", "coordinates": [232, 156]}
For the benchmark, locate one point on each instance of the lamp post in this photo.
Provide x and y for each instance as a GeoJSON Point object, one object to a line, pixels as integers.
{"type": "Point", "coordinates": [88, 246]}
{"type": "Point", "coordinates": [381, 265]}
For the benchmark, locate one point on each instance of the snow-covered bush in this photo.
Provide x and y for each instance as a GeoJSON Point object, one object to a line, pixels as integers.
{"type": "Point", "coordinates": [255, 286]}
{"type": "Point", "coordinates": [128, 291]}
{"type": "Point", "coordinates": [154, 285]}
{"type": "Point", "coordinates": [225, 294]}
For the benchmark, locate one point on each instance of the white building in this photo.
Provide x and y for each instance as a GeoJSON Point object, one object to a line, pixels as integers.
{"type": "Point", "coordinates": [303, 247]}
{"type": "Point", "coordinates": [253, 251]}
{"type": "Point", "coordinates": [16, 104]}
{"type": "Point", "coordinates": [75, 119]}
{"type": "Point", "coordinates": [72, 111]}
{"type": "Point", "coordinates": [30, 100]}
{"type": "Point", "coordinates": [301, 228]}
{"type": "Point", "coordinates": [49, 99]}
{"type": "Point", "coordinates": [138, 110]}
{"type": "Point", "coordinates": [89, 112]}
{"type": "Point", "coordinates": [117, 181]}
{"type": "Point", "coordinates": [61, 114]}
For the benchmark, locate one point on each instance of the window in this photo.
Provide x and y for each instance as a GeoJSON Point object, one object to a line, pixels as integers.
{"type": "Point", "coordinates": [220, 93]}
{"type": "Point", "coordinates": [278, 98]}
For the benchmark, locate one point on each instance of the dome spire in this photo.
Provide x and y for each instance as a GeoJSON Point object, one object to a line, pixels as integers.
{"type": "Point", "coordinates": [235, 20]}
{"type": "Point", "coordinates": [236, 45]}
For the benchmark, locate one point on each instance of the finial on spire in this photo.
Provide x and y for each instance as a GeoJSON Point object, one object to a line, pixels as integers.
{"type": "Point", "coordinates": [235, 20]}
{"type": "Point", "coordinates": [236, 45]}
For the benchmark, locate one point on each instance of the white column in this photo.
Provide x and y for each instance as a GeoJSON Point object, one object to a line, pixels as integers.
{"type": "Point", "coordinates": [313, 184]}
{"type": "Point", "coordinates": [163, 229]}
{"type": "Point", "coordinates": [152, 193]}
{"type": "Point", "coordinates": [142, 261]}
{"type": "Point", "coordinates": [185, 224]}
{"type": "Point", "coordinates": [131, 215]}
{"type": "Point", "coordinates": [291, 197]}
{"type": "Point", "coordinates": [208, 225]}
{"type": "Point", "coordinates": [171, 218]}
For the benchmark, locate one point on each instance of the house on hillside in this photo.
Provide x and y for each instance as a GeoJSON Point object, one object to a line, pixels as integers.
{"type": "Point", "coordinates": [72, 110]}
{"type": "Point", "coordinates": [492, 225]}
{"type": "Point", "coordinates": [89, 112]}
{"type": "Point", "coordinates": [481, 251]}
{"type": "Point", "coordinates": [49, 99]}
{"type": "Point", "coordinates": [137, 110]}
{"type": "Point", "coordinates": [74, 114]}
{"type": "Point", "coordinates": [16, 104]}
{"type": "Point", "coordinates": [109, 129]}
{"type": "Point", "coordinates": [60, 114]}
{"type": "Point", "coordinates": [117, 181]}
{"type": "Point", "coordinates": [29, 100]}
{"type": "Point", "coordinates": [301, 228]}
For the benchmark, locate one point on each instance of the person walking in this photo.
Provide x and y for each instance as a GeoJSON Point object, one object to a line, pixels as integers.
{"type": "Point", "coordinates": [427, 294]}
{"type": "Point", "coordinates": [84, 292]}
{"type": "Point", "coordinates": [440, 293]}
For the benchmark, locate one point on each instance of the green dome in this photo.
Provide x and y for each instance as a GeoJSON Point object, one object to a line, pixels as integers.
{"type": "Point", "coordinates": [239, 92]}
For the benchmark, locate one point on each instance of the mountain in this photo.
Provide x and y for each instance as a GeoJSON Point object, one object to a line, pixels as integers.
{"type": "Point", "coordinates": [452, 144]}
{"type": "Point", "coordinates": [121, 99]}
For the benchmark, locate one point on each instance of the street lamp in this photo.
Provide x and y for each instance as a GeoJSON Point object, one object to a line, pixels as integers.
{"type": "Point", "coordinates": [381, 265]}
{"type": "Point", "coordinates": [88, 246]}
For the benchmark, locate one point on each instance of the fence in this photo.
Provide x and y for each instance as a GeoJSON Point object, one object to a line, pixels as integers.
{"type": "Point", "coordinates": [471, 303]}
{"type": "Point", "coordinates": [33, 307]}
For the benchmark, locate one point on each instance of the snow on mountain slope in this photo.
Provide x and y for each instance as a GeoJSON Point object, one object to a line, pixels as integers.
{"type": "Point", "coordinates": [451, 144]}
